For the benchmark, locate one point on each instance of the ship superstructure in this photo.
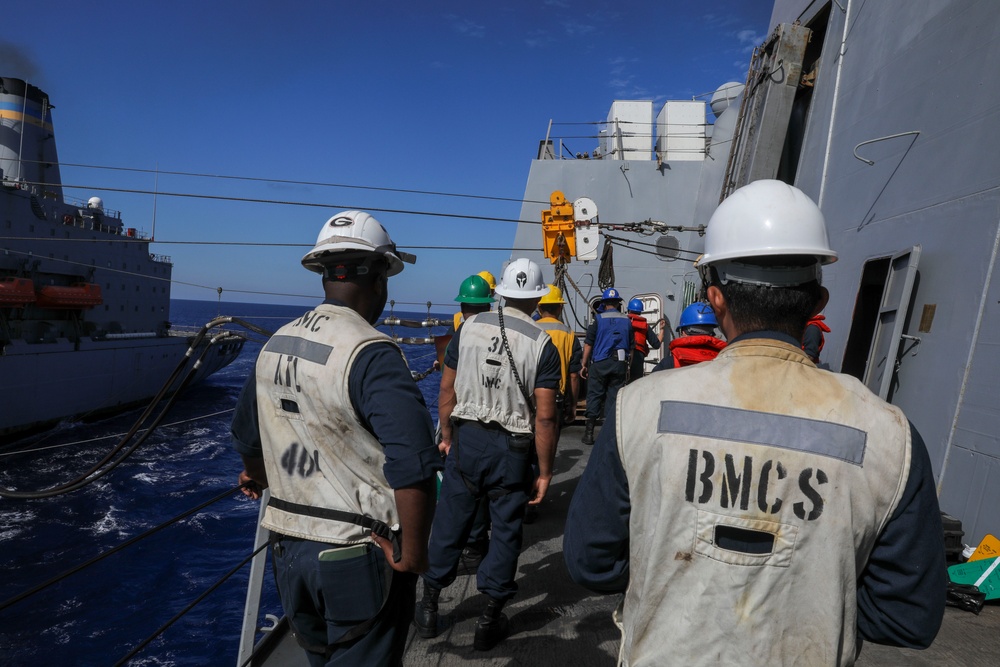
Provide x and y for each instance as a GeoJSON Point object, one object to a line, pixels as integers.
{"type": "Point", "coordinates": [84, 305]}
{"type": "Point", "coordinates": [875, 113]}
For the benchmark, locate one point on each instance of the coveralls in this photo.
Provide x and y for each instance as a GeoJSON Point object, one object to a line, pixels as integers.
{"type": "Point", "coordinates": [786, 530]}
{"type": "Point", "coordinates": [328, 395]}
{"type": "Point", "coordinates": [491, 446]}
{"type": "Point", "coordinates": [610, 336]}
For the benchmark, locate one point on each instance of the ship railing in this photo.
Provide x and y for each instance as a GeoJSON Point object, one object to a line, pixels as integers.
{"type": "Point", "coordinates": [255, 591]}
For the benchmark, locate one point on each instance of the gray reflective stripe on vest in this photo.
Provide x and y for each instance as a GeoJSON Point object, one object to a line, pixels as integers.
{"type": "Point", "coordinates": [553, 326]}
{"type": "Point", "coordinates": [308, 350]}
{"type": "Point", "coordinates": [520, 326]}
{"type": "Point", "coordinates": [763, 428]}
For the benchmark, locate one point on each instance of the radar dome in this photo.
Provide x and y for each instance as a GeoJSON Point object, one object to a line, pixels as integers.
{"type": "Point", "coordinates": [724, 96]}
{"type": "Point", "coordinates": [96, 203]}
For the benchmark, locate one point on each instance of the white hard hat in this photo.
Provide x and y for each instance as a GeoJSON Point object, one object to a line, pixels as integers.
{"type": "Point", "coordinates": [766, 218]}
{"type": "Point", "coordinates": [354, 231]}
{"type": "Point", "coordinates": [522, 279]}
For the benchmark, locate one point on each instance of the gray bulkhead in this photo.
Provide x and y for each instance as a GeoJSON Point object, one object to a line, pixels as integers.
{"type": "Point", "coordinates": [917, 82]}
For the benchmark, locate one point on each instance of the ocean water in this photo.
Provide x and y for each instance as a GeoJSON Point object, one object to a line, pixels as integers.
{"type": "Point", "coordinates": [98, 615]}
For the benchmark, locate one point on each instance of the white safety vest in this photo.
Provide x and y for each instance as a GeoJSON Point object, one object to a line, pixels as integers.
{"type": "Point", "coordinates": [758, 446]}
{"type": "Point", "coordinates": [317, 454]}
{"type": "Point", "coordinates": [485, 388]}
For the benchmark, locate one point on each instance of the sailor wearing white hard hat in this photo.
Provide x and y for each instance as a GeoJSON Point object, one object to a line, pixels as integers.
{"type": "Point", "coordinates": [498, 396]}
{"type": "Point", "coordinates": [351, 482]}
{"type": "Point", "coordinates": [720, 487]}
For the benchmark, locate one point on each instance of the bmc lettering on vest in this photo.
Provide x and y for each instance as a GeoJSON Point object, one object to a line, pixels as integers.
{"type": "Point", "coordinates": [746, 479]}
{"type": "Point", "coordinates": [311, 320]}
{"type": "Point", "coordinates": [298, 461]}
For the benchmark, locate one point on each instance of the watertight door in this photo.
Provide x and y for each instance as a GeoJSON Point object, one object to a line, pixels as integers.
{"type": "Point", "coordinates": [881, 368]}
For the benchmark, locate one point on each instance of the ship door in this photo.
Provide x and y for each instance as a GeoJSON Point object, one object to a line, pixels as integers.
{"type": "Point", "coordinates": [880, 313]}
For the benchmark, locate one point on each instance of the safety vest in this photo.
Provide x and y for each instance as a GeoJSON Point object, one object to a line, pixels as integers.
{"type": "Point", "coordinates": [817, 321]}
{"type": "Point", "coordinates": [757, 512]}
{"type": "Point", "coordinates": [613, 328]}
{"type": "Point", "coordinates": [318, 456]}
{"type": "Point", "coordinates": [640, 329]}
{"type": "Point", "coordinates": [485, 388]}
{"type": "Point", "coordinates": [690, 350]}
{"type": "Point", "coordinates": [457, 320]}
{"type": "Point", "coordinates": [563, 338]}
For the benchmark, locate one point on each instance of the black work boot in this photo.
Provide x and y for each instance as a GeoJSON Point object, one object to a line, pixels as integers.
{"type": "Point", "coordinates": [492, 627]}
{"type": "Point", "coordinates": [588, 431]}
{"type": "Point", "coordinates": [426, 615]}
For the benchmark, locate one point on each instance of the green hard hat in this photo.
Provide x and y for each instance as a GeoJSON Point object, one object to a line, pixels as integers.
{"type": "Point", "coordinates": [474, 289]}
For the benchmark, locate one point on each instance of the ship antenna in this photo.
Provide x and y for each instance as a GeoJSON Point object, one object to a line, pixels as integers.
{"type": "Point", "coordinates": [156, 185]}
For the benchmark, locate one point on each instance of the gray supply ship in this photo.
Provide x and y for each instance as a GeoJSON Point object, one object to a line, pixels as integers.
{"type": "Point", "coordinates": [84, 305]}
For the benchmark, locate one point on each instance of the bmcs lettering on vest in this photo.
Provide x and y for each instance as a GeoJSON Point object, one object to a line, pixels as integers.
{"type": "Point", "coordinates": [749, 483]}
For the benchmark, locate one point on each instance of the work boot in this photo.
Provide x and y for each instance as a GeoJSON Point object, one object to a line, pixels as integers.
{"type": "Point", "coordinates": [426, 615]}
{"type": "Point", "coordinates": [492, 627]}
{"type": "Point", "coordinates": [588, 431]}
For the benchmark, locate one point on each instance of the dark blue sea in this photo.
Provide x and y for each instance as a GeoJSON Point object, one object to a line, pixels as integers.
{"type": "Point", "coordinates": [98, 615]}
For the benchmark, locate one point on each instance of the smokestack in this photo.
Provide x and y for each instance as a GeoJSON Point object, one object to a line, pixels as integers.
{"type": "Point", "coordinates": [27, 138]}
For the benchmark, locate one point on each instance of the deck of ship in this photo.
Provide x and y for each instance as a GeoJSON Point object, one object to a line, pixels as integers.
{"type": "Point", "coordinates": [556, 622]}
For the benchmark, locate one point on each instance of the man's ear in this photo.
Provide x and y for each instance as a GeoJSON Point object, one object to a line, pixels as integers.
{"type": "Point", "coordinates": [716, 301]}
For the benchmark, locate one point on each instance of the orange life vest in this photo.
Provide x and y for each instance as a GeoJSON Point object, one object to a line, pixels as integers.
{"type": "Point", "coordinates": [691, 350]}
{"type": "Point", "coordinates": [640, 328]}
{"type": "Point", "coordinates": [818, 322]}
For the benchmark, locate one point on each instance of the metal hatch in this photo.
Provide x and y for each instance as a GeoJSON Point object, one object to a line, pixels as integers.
{"type": "Point", "coordinates": [880, 371]}
{"type": "Point", "coordinates": [766, 107]}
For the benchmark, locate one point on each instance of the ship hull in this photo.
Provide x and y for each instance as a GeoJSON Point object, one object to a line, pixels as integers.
{"type": "Point", "coordinates": [45, 383]}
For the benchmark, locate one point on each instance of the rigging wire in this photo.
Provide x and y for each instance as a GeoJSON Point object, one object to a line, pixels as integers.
{"type": "Point", "coordinates": [123, 449]}
{"type": "Point", "coordinates": [35, 450]}
{"type": "Point", "coordinates": [286, 202]}
{"type": "Point", "coordinates": [115, 549]}
{"type": "Point", "coordinates": [256, 179]}
{"type": "Point", "coordinates": [176, 617]}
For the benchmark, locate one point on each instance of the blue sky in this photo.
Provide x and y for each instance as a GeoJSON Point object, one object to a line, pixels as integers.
{"type": "Point", "coordinates": [448, 97]}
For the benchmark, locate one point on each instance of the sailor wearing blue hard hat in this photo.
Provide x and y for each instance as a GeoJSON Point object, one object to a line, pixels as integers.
{"type": "Point", "coordinates": [696, 341]}
{"type": "Point", "coordinates": [646, 339]}
{"type": "Point", "coordinates": [607, 351]}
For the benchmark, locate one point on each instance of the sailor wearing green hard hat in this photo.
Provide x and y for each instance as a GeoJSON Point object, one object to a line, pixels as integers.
{"type": "Point", "coordinates": [475, 295]}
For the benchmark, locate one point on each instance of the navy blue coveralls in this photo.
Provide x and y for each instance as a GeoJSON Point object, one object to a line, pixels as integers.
{"type": "Point", "coordinates": [485, 461]}
{"type": "Point", "coordinates": [610, 332]}
{"type": "Point", "coordinates": [325, 600]}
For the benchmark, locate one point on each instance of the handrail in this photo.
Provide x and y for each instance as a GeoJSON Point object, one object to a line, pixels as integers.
{"type": "Point", "coordinates": [255, 587]}
{"type": "Point", "coordinates": [872, 141]}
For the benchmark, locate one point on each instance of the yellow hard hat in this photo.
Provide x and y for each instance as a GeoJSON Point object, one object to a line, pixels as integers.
{"type": "Point", "coordinates": [554, 296]}
{"type": "Point", "coordinates": [488, 277]}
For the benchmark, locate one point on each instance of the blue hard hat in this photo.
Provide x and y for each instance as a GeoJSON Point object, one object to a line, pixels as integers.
{"type": "Point", "coordinates": [611, 294]}
{"type": "Point", "coordinates": [635, 306]}
{"type": "Point", "coordinates": [698, 313]}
